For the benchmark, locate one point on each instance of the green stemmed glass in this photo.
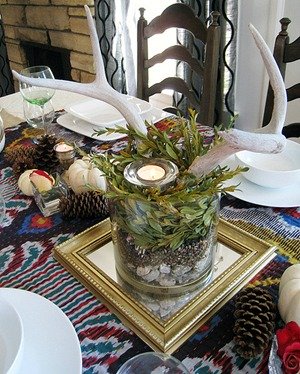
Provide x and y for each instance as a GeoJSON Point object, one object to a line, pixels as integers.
{"type": "Point", "coordinates": [34, 94]}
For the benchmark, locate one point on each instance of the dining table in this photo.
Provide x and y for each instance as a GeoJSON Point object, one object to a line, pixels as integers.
{"type": "Point", "coordinates": [27, 240]}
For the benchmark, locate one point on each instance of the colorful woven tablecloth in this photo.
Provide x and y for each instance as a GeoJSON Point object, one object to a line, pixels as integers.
{"type": "Point", "coordinates": [26, 262]}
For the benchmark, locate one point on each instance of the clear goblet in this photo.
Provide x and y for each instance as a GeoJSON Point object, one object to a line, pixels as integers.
{"type": "Point", "coordinates": [34, 94]}
{"type": "Point", "coordinates": [39, 118]}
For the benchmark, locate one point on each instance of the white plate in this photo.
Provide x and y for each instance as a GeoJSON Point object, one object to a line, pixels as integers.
{"type": "Point", "coordinates": [85, 128]}
{"type": "Point", "coordinates": [50, 343]}
{"type": "Point", "coordinates": [278, 170]}
{"type": "Point", "coordinates": [253, 193]}
{"type": "Point", "coordinates": [102, 114]}
{"type": "Point", "coordinates": [11, 338]}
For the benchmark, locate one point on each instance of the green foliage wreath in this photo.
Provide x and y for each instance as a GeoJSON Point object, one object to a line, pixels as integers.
{"type": "Point", "coordinates": [165, 218]}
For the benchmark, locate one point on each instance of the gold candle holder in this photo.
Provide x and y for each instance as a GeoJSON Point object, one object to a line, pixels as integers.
{"type": "Point", "coordinates": [65, 153]}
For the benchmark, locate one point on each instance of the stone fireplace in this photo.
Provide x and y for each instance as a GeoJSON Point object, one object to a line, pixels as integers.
{"type": "Point", "coordinates": [57, 58]}
{"type": "Point", "coordinates": [50, 32]}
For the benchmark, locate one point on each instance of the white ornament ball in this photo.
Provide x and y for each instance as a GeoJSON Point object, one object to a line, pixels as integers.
{"type": "Point", "coordinates": [84, 176]}
{"type": "Point", "coordinates": [291, 272]}
{"type": "Point", "coordinates": [24, 183]}
{"type": "Point", "coordinates": [289, 294]}
{"type": "Point", "coordinates": [293, 313]}
{"type": "Point", "coordinates": [42, 180]}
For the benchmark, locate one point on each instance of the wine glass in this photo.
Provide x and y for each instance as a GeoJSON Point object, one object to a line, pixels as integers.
{"type": "Point", "coordinates": [34, 117]}
{"type": "Point", "coordinates": [34, 94]}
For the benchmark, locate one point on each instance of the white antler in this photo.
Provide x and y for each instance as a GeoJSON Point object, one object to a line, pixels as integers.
{"type": "Point", "coordinates": [267, 139]}
{"type": "Point", "coordinates": [99, 89]}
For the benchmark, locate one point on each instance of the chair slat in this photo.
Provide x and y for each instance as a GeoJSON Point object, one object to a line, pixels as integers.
{"type": "Point", "coordinates": [293, 92]}
{"type": "Point", "coordinates": [179, 16]}
{"type": "Point", "coordinates": [178, 85]}
{"type": "Point", "coordinates": [292, 51]}
{"type": "Point", "coordinates": [176, 52]}
{"type": "Point", "coordinates": [182, 16]}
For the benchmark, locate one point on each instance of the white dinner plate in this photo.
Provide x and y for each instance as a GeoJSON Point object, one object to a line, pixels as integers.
{"type": "Point", "coordinates": [11, 338]}
{"type": "Point", "coordinates": [50, 343]}
{"type": "Point", "coordinates": [85, 128]}
{"type": "Point", "coordinates": [253, 193]}
{"type": "Point", "coordinates": [102, 114]}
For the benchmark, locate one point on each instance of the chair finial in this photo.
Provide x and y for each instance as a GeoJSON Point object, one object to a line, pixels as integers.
{"type": "Point", "coordinates": [215, 17]}
{"type": "Point", "coordinates": [284, 26]}
{"type": "Point", "coordinates": [142, 11]}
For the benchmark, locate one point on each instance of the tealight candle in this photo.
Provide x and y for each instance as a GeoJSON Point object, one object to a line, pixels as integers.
{"type": "Point", "coordinates": [152, 172]}
{"type": "Point", "coordinates": [63, 147]}
{"type": "Point", "coordinates": [65, 153]}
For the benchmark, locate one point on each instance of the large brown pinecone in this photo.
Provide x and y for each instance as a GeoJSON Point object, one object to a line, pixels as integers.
{"type": "Point", "coordinates": [45, 155]}
{"type": "Point", "coordinates": [255, 313]}
{"type": "Point", "coordinates": [84, 205]}
{"type": "Point", "coordinates": [22, 158]}
{"type": "Point", "coordinates": [19, 152]}
{"type": "Point", "coordinates": [22, 164]}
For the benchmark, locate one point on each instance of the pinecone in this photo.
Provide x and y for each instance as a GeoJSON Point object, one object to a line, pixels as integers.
{"type": "Point", "coordinates": [84, 205]}
{"type": "Point", "coordinates": [19, 152]}
{"type": "Point", "coordinates": [45, 155]}
{"type": "Point", "coordinates": [21, 164]}
{"type": "Point", "coordinates": [255, 313]}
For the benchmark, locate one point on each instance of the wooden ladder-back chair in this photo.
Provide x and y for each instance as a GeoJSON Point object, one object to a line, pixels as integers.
{"type": "Point", "coordinates": [284, 52]}
{"type": "Point", "coordinates": [181, 16]}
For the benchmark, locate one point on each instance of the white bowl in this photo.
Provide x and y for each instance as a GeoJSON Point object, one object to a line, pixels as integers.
{"type": "Point", "coordinates": [11, 338]}
{"type": "Point", "coordinates": [272, 170]}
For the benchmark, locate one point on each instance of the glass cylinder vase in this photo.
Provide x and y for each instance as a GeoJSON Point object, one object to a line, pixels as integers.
{"type": "Point", "coordinates": [165, 248]}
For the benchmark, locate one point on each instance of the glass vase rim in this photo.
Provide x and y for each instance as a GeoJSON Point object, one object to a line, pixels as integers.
{"type": "Point", "coordinates": [160, 355]}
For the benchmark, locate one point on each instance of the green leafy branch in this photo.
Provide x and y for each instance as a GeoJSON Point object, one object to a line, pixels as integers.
{"type": "Point", "coordinates": [184, 211]}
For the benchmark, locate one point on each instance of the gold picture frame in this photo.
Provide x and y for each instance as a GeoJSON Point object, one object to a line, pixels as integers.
{"type": "Point", "coordinates": [89, 257]}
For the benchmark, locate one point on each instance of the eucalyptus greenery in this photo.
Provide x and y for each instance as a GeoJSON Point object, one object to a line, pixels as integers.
{"type": "Point", "coordinates": [165, 218]}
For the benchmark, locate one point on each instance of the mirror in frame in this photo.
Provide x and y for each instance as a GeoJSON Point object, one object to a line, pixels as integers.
{"type": "Point", "coordinates": [163, 323]}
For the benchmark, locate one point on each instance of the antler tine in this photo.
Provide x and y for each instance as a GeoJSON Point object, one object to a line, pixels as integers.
{"type": "Point", "coordinates": [277, 83]}
{"type": "Point", "coordinates": [99, 66]}
{"type": "Point", "coordinates": [265, 140]}
{"type": "Point", "coordinates": [99, 89]}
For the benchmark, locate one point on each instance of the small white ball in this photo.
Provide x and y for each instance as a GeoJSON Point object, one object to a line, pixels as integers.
{"type": "Point", "coordinates": [24, 183]}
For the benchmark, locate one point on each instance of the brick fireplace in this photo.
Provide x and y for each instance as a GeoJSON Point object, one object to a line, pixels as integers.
{"type": "Point", "coordinates": [52, 25]}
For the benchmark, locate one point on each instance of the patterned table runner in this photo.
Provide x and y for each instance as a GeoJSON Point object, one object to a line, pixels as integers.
{"type": "Point", "coordinates": [26, 262]}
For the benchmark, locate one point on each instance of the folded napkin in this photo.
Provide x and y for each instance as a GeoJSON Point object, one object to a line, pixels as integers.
{"type": "Point", "coordinates": [10, 120]}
